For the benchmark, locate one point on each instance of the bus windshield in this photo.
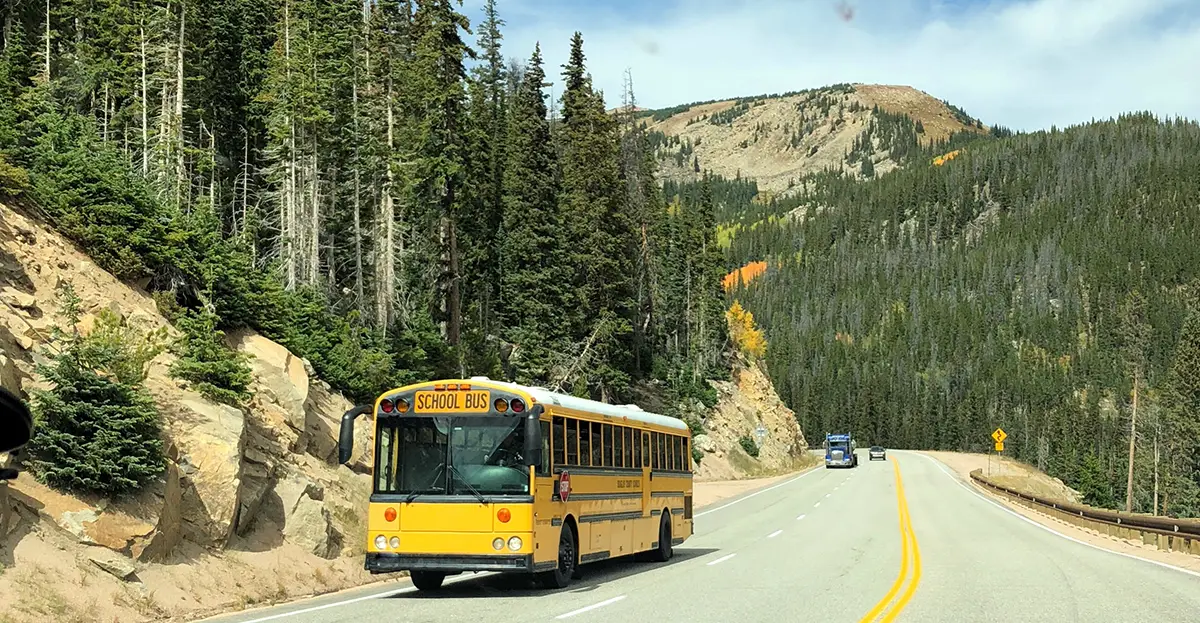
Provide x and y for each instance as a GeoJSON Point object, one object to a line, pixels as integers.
{"type": "Point", "coordinates": [451, 456]}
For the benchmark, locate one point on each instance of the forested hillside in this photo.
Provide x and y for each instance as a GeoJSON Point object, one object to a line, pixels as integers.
{"type": "Point", "coordinates": [363, 184]}
{"type": "Point", "coordinates": [1046, 283]}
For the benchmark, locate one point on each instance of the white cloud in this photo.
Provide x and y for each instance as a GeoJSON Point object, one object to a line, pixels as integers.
{"type": "Point", "coordinates": [1027, 64]}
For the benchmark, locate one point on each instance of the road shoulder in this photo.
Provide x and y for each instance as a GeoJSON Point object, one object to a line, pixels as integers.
{"type": "Point", "coordinates": [1135, 549]}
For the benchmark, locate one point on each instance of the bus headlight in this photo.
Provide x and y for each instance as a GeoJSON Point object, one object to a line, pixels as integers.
{"type": "Point", "coordinates": [498, 544]}
{"type": "Point", "coordinates": [395, 542]}
{"type": "Point", "coordinates": [380, 542]}
{"type": "Point", "coordinates": [514, 543]}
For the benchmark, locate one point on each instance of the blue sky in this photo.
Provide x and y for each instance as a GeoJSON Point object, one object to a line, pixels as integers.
{"type": "Point", "coordinates": [1027, 64]}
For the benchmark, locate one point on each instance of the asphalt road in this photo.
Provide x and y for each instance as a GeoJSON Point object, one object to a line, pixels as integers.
{"type": "Point", "coordinates": [898, 540]}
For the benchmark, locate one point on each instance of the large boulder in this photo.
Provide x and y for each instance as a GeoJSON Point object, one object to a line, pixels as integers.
{"type": "Point", "coordinates": [208, 438]}
{"type": "Point", "coordinates": [306, 519]}
{"type": "Point", "coordinates": [279, 376]}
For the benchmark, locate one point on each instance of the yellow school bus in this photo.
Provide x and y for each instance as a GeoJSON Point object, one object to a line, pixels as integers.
{"type": "Point", "coordinates": [483, 475]}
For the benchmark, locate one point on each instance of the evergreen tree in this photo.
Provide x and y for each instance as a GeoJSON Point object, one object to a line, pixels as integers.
{"type": "Point", "coordinates": [97, 428]}
{"type": "Point", "coordinates": [440, 155]}
{"type": "Point", "coordinates": [601, 238]}
{"type": "Point", "coordinates": [534, 277]}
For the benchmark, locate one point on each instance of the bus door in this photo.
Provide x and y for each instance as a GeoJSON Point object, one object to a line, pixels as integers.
{"type": "Point", "coordinates": [647, 475]}
{"type": "Point", "coordinates": [545, 489]}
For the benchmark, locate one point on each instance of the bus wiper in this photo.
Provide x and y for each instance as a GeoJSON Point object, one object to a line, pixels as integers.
{"type": "Point", "coordinates": [454, 470]}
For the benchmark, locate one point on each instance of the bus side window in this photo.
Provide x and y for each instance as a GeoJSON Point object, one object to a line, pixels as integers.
{"type": "Point", "coordinates": [618, 438]}
{"type": "Point", "coordinates": [654, 452]}
{"type": "Point", "coordinates": [643, 451]}
{"type": "Point", "coordinates": [585, 443]}
{"type": "Point", "coordinates": [560, 441]}
{"type": "Point", "coordinates": [544, 468]}
{"type": "Point", "coordinates": [681, 456]}
{"type": "Point", "coordinates": [608, 445]}
{"type": "Point", "coordinates": [572, 442]}
{"type": "Point", "coordinates": [662, 452]}
{"type": "Point", "coordinates": [597, 446]}
{"type": "Point", "coordinates": [629, 448]}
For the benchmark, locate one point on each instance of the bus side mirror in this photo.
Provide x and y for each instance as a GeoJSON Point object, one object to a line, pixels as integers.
{"type": "Point", "coordinates": [346, 434]}
{"type": "Point", "coordinates": [16, 424]}
{"type": "Point", "coordinates": [16, 427]}
{"type": "Point", "coordinates": [533, 439]}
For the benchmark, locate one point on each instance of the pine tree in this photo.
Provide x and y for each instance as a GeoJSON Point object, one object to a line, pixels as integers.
{"type": "Point", "coordinates": [534, 276]}
{"type": "Point", "coordinates": [440, 156]}
{"type": "Point", "coordinates": [487, 134]}
{"type": "Point", "coordinates": [98, 429]}
{"type": "Point", "coordinates": [601, 237]}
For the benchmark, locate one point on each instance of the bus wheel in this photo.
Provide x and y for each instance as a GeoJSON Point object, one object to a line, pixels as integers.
{"type": "Point", "coordinates": [664, 551]}
{"type": "Point", "coordinates": [427, 580]}
{"type": "Point", "coordinates": [567, 561]}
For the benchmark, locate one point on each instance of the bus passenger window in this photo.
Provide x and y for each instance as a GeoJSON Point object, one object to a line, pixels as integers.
{"type": "Point", "coordinates": [631, 449]}
{"type": "Point", "coordinates": [681, 454]}
{"type": "Point", "coordinates": [560, 441]}
{"type": "Point", "coordinates": [662, 451]}
{"type": "Point", "coordinates": [643, 451]}
{"type": "Point", "coordinates": [619, 447]}
{"type": "Point", "coordinates": [597, 446]}
{"type": "Point", "coordinates": [608, 445]}
{"type": "Point", "coordinates": [585, 443]}
{"type": "Point", "coordinates": [655, 452]}
{"type": "Point", "coordinates": [572, 442]}
{"type": "Point", "coordinates": [544, 467]}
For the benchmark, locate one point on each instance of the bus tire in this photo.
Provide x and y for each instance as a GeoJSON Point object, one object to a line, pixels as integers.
{"type": "Point", "coordinates": [568, 561]}
{"type": "Point", "coordinates": [427, 580]}
{"type": "Point", "coordinates": [664, 551]}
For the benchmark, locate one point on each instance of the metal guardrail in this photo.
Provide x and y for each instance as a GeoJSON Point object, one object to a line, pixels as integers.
{"type": "Point", "coordinates": [1172, 534]}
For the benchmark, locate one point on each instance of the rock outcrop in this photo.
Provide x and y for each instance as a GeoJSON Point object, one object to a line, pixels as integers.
{"type": "Point", "coordinates": [744, 404]}
{"type": "Point", "coordinates": [254, 477]}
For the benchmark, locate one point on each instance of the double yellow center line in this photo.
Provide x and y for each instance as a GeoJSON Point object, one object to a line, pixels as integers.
{"type": "Point", "coordinates": [910, 559]}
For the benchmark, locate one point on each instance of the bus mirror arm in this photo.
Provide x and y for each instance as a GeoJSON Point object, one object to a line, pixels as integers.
{"type": "Point", "coordinates": [346, 434]}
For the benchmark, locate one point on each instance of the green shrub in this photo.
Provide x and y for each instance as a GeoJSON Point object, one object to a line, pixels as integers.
{"type": "Point", "coordinates": [697, 454]}
{"type": "Point", "coordinates": [749, 446]}
{"type": "Point", "coordinates": [13, 179]}
{"type": "Point", "coordinates": [98, 429]}
{"type": "Point", "coordinates": [216, 371]}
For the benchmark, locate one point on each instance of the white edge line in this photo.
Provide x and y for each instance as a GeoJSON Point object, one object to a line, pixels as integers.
{"type": "Point", "coordinates": [774, 534]}
{"type": "Point", "coordinates": [1014, 513]}
{"type": "Point", "coordinates": [760, 491]}
{"type": "Point", "coordinates": [816, 505]}
{"type": "Point", "coordinates": [800, 517]}
{"type": "Point", "coordinates": [389, 593]}
{"type": "Point", "coordinates": [721, 559]}
{"type": "Point", "coordinates": [606, 602]}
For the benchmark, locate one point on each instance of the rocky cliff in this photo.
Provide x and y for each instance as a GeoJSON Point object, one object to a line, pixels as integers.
{"type": "Point", "coordinates": [730, 445]}
{"type": "Point", "coordinates": [251, 505]}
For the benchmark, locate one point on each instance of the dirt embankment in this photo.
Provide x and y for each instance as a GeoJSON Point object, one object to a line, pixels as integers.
{"type": "Point", "coordinates": [1022, 477]}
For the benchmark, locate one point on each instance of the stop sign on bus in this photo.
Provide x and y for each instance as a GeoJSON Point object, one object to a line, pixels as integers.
{"type": "Point", "coordinates": [564, 486]}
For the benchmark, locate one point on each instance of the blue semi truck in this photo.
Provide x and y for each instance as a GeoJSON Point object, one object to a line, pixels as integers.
{"type": "Point", "coordinates": [840, 451]}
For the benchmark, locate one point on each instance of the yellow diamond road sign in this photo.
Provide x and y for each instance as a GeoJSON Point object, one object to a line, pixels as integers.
{"type": "Point", "coordinates": [999, 446]}
{"type": "Point", "coordinates": [999, 435]}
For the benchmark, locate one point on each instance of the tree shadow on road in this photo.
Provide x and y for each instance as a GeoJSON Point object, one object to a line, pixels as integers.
{"type": "Point", "coordinates": [595, 575]}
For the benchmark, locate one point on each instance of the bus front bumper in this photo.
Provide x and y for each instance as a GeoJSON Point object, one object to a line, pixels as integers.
{"type": "Point", "coordinates": [448, 563]}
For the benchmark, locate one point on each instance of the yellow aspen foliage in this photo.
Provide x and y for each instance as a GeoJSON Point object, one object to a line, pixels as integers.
{"type": "Point", "coordinates": [748, 338]}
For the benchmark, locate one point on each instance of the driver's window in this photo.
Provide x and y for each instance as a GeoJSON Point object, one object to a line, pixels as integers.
{"type": "Point", "coordinates": [544, 467]}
